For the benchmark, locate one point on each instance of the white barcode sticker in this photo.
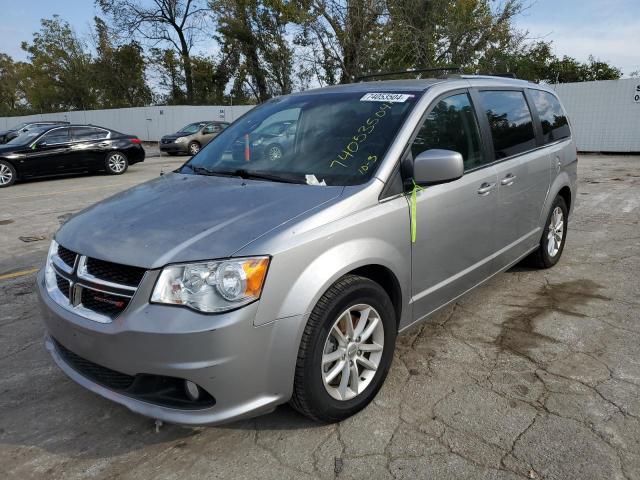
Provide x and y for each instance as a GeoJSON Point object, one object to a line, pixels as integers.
{"type": "Point", "coordinates": [386, 97]}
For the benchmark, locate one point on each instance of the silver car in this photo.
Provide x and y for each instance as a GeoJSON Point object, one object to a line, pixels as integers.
{"type": "Point", "coordinates": [240, 282]}
{"type": "Point", "coordinates": [191, 138]}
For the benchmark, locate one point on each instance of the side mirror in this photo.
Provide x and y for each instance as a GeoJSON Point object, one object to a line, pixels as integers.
{"type": "Point", "coordinates": [437, 166]}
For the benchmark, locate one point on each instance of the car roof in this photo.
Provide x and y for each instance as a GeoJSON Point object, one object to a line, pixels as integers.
{"type": "Point", "coordinates": [413, 85]}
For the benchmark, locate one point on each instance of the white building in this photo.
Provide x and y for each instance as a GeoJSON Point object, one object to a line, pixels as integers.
{"type": "Point", "coordinates": [604, 115]}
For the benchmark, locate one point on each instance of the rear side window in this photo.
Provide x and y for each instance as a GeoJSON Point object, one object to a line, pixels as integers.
{"type": "Point", "coordinates": [451, 125]}
{"type": "Point", "coordinates": [57, 136]}
{"type": "Point", "coordinates": [510, 121]}
{"type": "Point", "coordinates": [554, 121]}
{"type": "Point", "coordinates": [88, 133]}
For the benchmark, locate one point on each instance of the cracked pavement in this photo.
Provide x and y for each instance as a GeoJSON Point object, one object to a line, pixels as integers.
{"type": "Point", "coordinates": [534, 375]}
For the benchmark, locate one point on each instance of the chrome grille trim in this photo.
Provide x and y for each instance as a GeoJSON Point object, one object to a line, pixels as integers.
{"type": "Point", "coordinates": [79, 280]}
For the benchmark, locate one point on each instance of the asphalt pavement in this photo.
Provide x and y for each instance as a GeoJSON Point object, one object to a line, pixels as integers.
{"type": "Point", "coordinates": [534, 375]}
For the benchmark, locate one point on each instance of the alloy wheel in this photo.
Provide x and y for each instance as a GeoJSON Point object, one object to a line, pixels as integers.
{"type": "Point", "coordinates": [352, 352]}
{"type": "Point", "coordinates": [6, 175]}
{"type": "Point", "coordinates": [556, 232]}
{"type": "Point", "coordinates": [275, 153]}
{"type": "Point", "coordinates": [194, 148]}
{"type": "Point", "coordinates": [117, 163]}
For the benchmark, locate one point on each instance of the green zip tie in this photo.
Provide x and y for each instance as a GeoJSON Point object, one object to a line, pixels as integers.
{"type": "Point", "coordinates": [414, 208]}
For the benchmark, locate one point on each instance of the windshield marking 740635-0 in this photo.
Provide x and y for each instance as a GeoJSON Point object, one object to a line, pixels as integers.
{"type": "Point", "coordinates": [336, 136]}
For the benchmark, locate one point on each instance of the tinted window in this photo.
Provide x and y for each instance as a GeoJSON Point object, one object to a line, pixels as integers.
{"type": "Point", "coordinates": [510, 121]}
{"type": "Point", "coordinates": [340, 137]}
{"type": "Point", "coordinates": [59, 135]}
{"type": "Point", "coordinates": [554, 121]}
{"type": "Point", "coordinates": [452, 125]}
{"type": "Point", "coordinates": [88, 133]}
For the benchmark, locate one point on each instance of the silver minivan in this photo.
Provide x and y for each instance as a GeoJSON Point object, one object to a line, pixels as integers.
{"type": "Point", "coordinates": [240, 282]}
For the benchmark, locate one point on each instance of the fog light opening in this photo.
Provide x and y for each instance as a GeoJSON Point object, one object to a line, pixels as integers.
{"type": "Point", "coordinates": [192, 390]}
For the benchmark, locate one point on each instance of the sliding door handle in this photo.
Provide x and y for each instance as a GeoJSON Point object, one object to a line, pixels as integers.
{"type": "Point", "coordinates": [485, 188]}
{"type": "Point", "coordinates": [508, 180]}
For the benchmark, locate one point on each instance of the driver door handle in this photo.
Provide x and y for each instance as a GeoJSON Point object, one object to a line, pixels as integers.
{"type": "Point", "coordinates": [508, 180]}
{"type": "Point", "coordinates": [485, 188]}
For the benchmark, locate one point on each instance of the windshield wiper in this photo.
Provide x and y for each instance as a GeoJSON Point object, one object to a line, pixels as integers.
{"type": "Point", "coordinates": [254, 174]}
{"type": "Point", "coordinates": [244, 174]}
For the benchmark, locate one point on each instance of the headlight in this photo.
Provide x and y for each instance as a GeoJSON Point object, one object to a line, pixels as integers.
{"type": "Point", "coordinates": [49, 272]}
{"type": "Point", "coordinates": [181, 139]}
{"type": "Point", "coordinates": [214, 286]}
{"type": "Point", "coordinates": [258, 141]}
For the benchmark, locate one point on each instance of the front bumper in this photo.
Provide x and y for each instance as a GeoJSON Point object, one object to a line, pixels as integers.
{"type": "Point", "coordinates": [173, 147]}
{"type": "Point", "coordinates": [248, 370]}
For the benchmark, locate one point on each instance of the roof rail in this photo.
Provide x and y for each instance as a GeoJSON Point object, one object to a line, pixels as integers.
{"type": "Point", "coordinates": [408, 72]}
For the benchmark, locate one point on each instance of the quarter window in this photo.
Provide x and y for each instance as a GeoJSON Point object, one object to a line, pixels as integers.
{"type": "Point", "coordinates": [554, 121]}
{"type": "Point", "coordinates": [452, 125]}
{"type": "Point", "coordinates": [510, 121]}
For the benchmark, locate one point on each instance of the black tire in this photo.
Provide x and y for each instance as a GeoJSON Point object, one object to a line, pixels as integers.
{"type": "Point", "coordinates": [310, 397]}
{"type": "Point", "coordinates": [116, 163]}
{"type": "Point", "coordinates": [542, 257]}
{"type": "Point", "coordinates": [273, 152]}
{"type": "Point", "coordinates": [193, 148]}
{"type": "Point", "coordinates": [8, 174]}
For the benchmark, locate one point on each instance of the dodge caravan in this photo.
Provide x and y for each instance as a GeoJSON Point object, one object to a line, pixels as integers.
{"type": "Point", "coordinates": [240, 282]}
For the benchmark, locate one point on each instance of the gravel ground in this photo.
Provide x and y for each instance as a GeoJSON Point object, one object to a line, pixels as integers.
{"type": "Point", "coordinates": [534, 375]}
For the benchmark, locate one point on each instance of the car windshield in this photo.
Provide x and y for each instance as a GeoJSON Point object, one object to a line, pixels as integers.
{"type": "Point", "coordinates": [28, 136]}
{"type": "Point", "coordinates": [334, 139]}
{"type": "Point", "coordinates": [191, 128]}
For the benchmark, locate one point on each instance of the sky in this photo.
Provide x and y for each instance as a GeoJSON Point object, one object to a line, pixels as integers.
{"type": "Point", "coordinates": [607, 29]}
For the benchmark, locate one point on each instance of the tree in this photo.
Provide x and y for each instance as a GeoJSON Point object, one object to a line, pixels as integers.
{"type": "Point", "coordinates": [59, 75]}
{"type": "Point", "coordinates": [342, 36]}
{"type": "Point", "coordinates": [257, 30]}
{"type": "Point", "coordinates": [168, 67]}
{"type": "Point", "coordinates": [119, 71]}
{"type": "Point", "coordinates": [177, 23]}
{"type": "Point", "coordinates": [12, 98]}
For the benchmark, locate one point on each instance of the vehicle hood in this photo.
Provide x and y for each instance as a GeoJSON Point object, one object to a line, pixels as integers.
{"type": "Point", "coordinates": [173, 136]}
{"type": "Point", "coordinates": [179, 218]}
{"type": "Point", "coordinates": [4, 132]}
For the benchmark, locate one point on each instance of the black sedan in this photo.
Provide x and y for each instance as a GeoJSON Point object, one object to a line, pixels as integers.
{"type": "Point", "coordinates": [13, 132]}
{"type": "Point", "coordinates": [55, 150]}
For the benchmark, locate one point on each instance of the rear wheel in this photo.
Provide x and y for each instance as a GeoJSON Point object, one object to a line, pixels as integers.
{"type": "Point", "coordinates": [116, 163]}
{"type": "Point", "coordinates": [554, 236]}
{"type": "Point", "coordinates": [8, 174]}
{"type": "Point", "coordinates": [346, 350]}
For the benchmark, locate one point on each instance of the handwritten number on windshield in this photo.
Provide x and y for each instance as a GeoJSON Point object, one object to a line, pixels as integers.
{"type": "Point", "coordinates": [363, 133]}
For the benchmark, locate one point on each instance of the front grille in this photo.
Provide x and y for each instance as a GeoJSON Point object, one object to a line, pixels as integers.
{"type": "Point", "coordinates": [167, 140]}
{"type": "Point", "coordinates": [115, 272]}
{"type": "Point", "coordinates": [103, 303]}
{"type": "Point", "coordinates": [66, 255]}
{"type": "Point", "coordinates": [63, 285]}
{"type": "Point", "coordinates": [102, 375]}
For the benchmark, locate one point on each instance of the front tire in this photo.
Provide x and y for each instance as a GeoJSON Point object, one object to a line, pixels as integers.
{"type": "Point", "coordinates": [346, 350]}
{"type": "Point", "coordinates": [8, 174]}
{"type": "Point", "coordinates": [554, 236]}
{"type": "Point", "coordinates": [193, 148]}
{"type": "Point", "coordinates": [116, 163]}
{"type": "Point", "coordinates": [273, 152]}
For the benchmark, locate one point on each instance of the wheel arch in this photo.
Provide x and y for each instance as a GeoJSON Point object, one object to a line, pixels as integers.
{"type": "Point", "coordinates": [384, 277]}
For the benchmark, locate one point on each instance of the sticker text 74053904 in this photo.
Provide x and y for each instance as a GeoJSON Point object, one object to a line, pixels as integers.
{"type": "Point", "coordinates": [363, 132]}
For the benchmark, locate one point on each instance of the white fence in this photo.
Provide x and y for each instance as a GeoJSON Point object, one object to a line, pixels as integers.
{"type": "Point", "coordinates": [604, 115]}
{"type": "Point", "coordinates": [148, 123]}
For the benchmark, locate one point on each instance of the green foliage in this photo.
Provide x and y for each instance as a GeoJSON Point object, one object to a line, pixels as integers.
{"type": "Point", "coordinates": [12, 99]}
{"type": "Point", "coordinates": [59, 74]}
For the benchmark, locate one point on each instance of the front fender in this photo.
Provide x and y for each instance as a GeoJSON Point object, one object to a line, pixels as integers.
{"type": "Point", "coordinates": [300, 274]}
